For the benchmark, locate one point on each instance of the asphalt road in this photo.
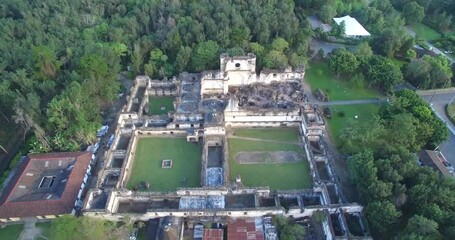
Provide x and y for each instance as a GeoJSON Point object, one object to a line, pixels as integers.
{"type": "Point", "coordinates": [439, 100]}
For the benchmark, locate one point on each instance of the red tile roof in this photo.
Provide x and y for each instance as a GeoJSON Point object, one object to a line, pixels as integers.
{"type": "Point", "coordinates": [22, 197]}
{"type": "Point", "coordinates": [431, 159]}
{"type": "Point", "coordinates": [244, 229]}
{"type": "Point", "coordinates": [213, 234]}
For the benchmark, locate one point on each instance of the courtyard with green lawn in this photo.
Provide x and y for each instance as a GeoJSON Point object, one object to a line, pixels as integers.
{"type": "Point", "coordinates": [149, 154]}
{"type": "Point", "coordinates": [11, 232]}
{"type": "Point", "coordinates": [319, 75]}
{"type": "Point", "coordinates": [276, 175]}
{"type": "Point", "coordinates": [160, 105]}
{"type": "Point", "coordinates": [276, 134]}
{"type": "Point", "coordinates": [346, 114]}
{"type": "Point", "coordinates": [425, 32]}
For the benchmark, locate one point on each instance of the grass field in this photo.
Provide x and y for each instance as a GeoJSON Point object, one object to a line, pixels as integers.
{"type": "Point", "coordinates": [318, 75]}
{"type": "Point", "coordinates": [186, 158]}
{"type": "Point", "coordinates": [425, 32]}
{"type": "Point", "coordinates": [276, 176]}
{"type": "Point", "coordinates": [451, 112]}
{"type": "Point", "coordinates": [45, 230]}
{"type": "Point", "coordinates": [11, 232]}
{"type": "Point", "coordinates": [277, 134]}
{"type": "Point", "coordinates": [362, 111]}
{"type": "Point", "coordinates": [157, 103]}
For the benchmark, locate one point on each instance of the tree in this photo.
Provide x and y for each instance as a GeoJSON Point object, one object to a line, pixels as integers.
{"type": "Point", "coordinates": [205, 56]}
{"type": "Point", "coordinates": [279, 44]}
{"type": "Point", "coordinates": [363, 50]}
{"type": "Point", "coordinates": [429, 72]}
{"type": "Point", "coordinates": [344, 62]}
{"type": "Point", "coordinates": [339, 30]}
{"type": "Point", "coordinates": [413, 12]}
{"type": "Point", "coordinates": [275, 59]}
{"type": "Point", "coordinates": [389, 41]}
{"type": "Point", "coordinates": [327, 12]}
{"type": "Point", "coordinates": [288, 230]}
{"type": "Point", "coordinates": [46, 63]}
{"type": "Point", "coordinates": [182, 59]}
{"type": "Point", "coordinates": [75, 228]}
{"type": "Point", "coordinates": [72, 118]}
{"type": "Point", "coordinates": [419, 227]}
{"type": "Point", "coordinates": [382, 215]}
{"type": "Point", "coordinates": [382, 73]}
{"type": "Point", "coordinates": [100, 76]}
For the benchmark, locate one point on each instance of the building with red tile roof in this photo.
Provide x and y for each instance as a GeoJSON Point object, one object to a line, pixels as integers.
{"type": "Point", "coordinates": [213, 234]}
{"type": "Point", "coordinates": [45, 185]}
{"type": "Point", "coordinates": [245, 229]}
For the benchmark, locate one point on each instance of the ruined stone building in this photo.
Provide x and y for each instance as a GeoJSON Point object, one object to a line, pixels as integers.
{"type": "Point", "coordinates": [206, 106]}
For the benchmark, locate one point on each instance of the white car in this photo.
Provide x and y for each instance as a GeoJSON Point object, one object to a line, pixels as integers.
{"type": "Point", "coordinates": [102, 131]}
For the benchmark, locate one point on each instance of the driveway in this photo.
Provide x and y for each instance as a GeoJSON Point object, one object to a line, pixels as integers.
{"type": "Point", "coordinates": [315, 45]}
{"type": "Point", "coordinates": [438, 100]}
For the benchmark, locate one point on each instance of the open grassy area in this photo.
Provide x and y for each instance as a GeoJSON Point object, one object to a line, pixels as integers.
{"type": "Point", "coordinates": [339, 122]}
{"type": "Point", "coordinates": [277, 134]}
{"type": "Point", "coordinates": [11, 232]}
{"type": "Point", "coordinates": [276, 176]}
{"type": "Point", "coordinates": [319, 75]}
{"type": "Point", "coordinates": [45, 228]}
{"type": "Point", "coordinates": [425, 32]}
{"type": "Point", "coordinates": [451, 112]}
{"type": "Point", "coordinates": [150, 151]}
{"type": "Point", "coordinates": [160, 105]}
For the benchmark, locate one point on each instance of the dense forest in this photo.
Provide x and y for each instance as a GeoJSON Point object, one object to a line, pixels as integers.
{"type": "Point", "coordinates": [402, 200]}
{"type": "Point", "coordinates": [61, 61]}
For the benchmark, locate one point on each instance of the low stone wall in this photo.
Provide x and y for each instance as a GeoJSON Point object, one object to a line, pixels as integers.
{"type": "Point", "coordinates": [261, 124]}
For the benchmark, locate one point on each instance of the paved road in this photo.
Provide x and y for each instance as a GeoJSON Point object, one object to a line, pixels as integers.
{"type": "Point", "coordinates": [315, 45]}
{"type": "Point", "coordinates": [353, 102]}
{"type": "Point", "coordinates": [438, 100]}
{"type": "Point", "coordinates": [431, 46]}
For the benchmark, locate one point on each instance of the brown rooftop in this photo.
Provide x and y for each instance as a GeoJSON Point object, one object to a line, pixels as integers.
{"type": "Point", "coordinates": [244, 229]}
{"type": "Point", "coordinates": [213, 234]}
{"type": "Point", "coordinates": [45, 184]}
{"type": "Point", "coordinates": [432, 159]}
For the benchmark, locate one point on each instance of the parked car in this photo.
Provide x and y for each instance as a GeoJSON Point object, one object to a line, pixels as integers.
{"type": "Point", "coordinates": [102, 131]}
{"type": "Point", "coordinates": [110, 141]}
{"type": "Point", "coordinates": [93, 148]}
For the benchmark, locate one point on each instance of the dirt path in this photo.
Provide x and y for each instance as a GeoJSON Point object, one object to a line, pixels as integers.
{"type": "Point", "coordinates": [30, 231]}
{"type": "Point", "coordinates": [264, 140]}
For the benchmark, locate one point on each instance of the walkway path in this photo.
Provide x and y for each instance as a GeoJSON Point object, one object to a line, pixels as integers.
{"type": "Point", "coordinates": [353, 102]}
{"type": "Point", "coordinates": [30, 231]}
{"type": "Point", "coordinates": [263, 140]}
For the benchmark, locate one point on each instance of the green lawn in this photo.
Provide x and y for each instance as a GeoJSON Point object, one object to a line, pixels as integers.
{"type": "Point", "coordinates": [318, 75]}
{"type": "Point", "coordinates": [425, 32]}
{"type": "Point", "coordinates": [362, 111]}
{"type": "Point", "coordinates": [150, 151]}
{"type": "Point", "coordinates": [451, 112]}
{"type": "Point", "coordinates": [276, 176]}
{"type": "Point", "coordinates": [398, 62]}
{"type": "Point", "coordinates": [45, 230]}
{"type": "Point", "coordinates": [11, 232]}
{"type": "Point", "coordinates": [278, 134]}
{"type": "Point", "coordinates": [160, 105]}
